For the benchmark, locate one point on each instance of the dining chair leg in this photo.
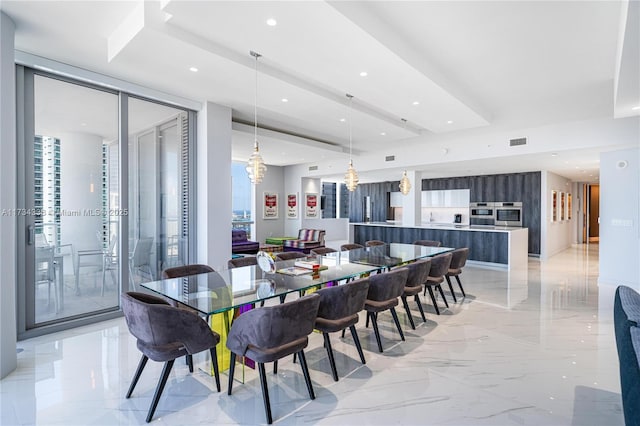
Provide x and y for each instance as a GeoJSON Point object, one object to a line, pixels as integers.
{"type": "Point", "coordinates": [374, 321]}
{"type": "Point", "coordinates": [232, 368]}
{"type": "Point", "coordinates": [136, 376]}
{"type": "Point", "coordinates": [406, 308]}
{"type": "Point", "coordinates": [356, 340]}
{"type": "Point", "coordinates": [366, 323]}
{"type": "Point", "coordinates": [439, 287]}
{"type": "Point", "coordinates": [189, 360]}
{"type": "Point", "coordinates": [282, 297]}
{"type": "Point", "coordinates": [451, 289]}
{"type": "Point", "coordinates": [343, 333]}
{"type": "Point", "coordinates": [332, 361]}
{"type": "Point", "coordinates": [460, 285]}
{"type": "Point", "coordinates": [214, 361]}
{"type": "Point", "coordinates": [305, 372]}
{"type": "Point", "coordinates": [433, 298]}
{"type": "Point", "coordinates": [275, 367]}
{"type": "Point", "coordinates": [265, 392]}
{"type": "Point", "coordinates": [163, 381]}
{"type": "Point", "coordinates": [394, 314]}
{"type": "Point", "coordinates": [419, 303]}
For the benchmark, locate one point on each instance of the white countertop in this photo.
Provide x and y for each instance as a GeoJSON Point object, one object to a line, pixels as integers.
{"type": "Point", "coordinates": [446, 226]}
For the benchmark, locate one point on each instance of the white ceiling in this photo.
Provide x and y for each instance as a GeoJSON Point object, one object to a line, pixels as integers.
{"type": "Point", "coordinates": [479, 65]}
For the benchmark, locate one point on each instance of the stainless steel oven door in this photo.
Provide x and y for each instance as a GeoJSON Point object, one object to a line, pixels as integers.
{"type": "Point", "coordinates": [481, 210]}
{"type": "Point", "coordinates": [508, 216]}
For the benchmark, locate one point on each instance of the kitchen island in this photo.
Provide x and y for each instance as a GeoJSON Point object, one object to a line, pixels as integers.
{"type": "Point", "coordinates": [496, 245]}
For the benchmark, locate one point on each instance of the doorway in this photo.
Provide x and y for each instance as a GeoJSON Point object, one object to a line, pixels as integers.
{"type": "Point", "coordinates": [591, 222]}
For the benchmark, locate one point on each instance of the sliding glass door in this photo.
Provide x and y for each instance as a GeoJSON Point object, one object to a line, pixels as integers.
{"type": "Point", "coordinates": [76, 258]}
{"type": "Point", "coordinates": [69, 210]}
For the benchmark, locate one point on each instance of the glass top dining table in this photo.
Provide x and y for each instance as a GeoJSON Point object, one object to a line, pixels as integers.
{"type": "Point", "coordinates": [224, 290]}
{"type": "Point", "coordinates": [220, 291]}
{"type": "Point", "coordinates": [388, 255]}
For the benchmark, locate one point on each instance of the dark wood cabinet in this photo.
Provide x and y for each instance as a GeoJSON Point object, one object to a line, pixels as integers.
{"type": "Point", "coordinates": [379, 197]}
{"type": "Point", "coordinates": [487, 246]}
{"type": "Point", "coordinates": [523, 187]}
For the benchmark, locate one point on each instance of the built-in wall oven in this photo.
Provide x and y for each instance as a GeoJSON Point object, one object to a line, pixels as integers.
{"type": "Point", "coordinates": [482, 213]}
{"type": "Point", "coordinates": [508, 214]}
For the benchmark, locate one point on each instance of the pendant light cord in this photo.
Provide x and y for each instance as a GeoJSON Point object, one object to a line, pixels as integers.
{"type": "Point", "coordinates": [255, 102]}
{"type": "Point", "coordinates": [350, 129]}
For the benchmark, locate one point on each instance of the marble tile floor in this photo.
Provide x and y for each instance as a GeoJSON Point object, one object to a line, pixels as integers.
{"type": "Point", "coordinates": [528, 348]}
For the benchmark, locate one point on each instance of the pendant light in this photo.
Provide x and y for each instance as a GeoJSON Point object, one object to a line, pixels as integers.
{"type": "Point", "coordinates": [255, 166]}
{"type": "Point", "coordinates": [405, 183]}
{"type": "Point", "coordinates": [351, 177]}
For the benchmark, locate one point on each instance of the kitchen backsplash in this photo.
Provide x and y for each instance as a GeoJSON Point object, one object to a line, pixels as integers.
{"type": "Point", "coordinates": [436, 214]}
{"type": "Point", "coordinates": [444, 214]}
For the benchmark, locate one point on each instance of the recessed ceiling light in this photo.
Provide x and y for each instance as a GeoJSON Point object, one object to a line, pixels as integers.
{"type": "Point", "coordinates": [83, 124]}
{"type": "Point", "coordinates": [193, 69]}
{"type": "Point", "coordinates": [383, 134]}
{"type": "Point", "coordinates": [272, 22]}
{"type": "Point", "coordinates": [285, 100]}
{"type": "Point", "coordinates": [342, 120]}
{"type": "Point", "coordinates": [554, 154]}
{"type": "Point", "coordinates": [416, 103]}
{"type": "Point", "coordinates": [363, 74]}
{"type": "Point", "coordinates": [635, 108]}
{"type": "Point", "coordinates": [450, 122]}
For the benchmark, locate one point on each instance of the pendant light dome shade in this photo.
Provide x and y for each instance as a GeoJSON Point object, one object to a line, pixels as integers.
{"type": "Point", "coordinates": [256, 168]}
{"type": "Point", "coordinates": [405, 184]}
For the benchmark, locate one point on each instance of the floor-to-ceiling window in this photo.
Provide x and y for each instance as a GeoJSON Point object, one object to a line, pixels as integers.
{"type": "Point", "coordinates": [243, 217]}
{"type": "Point", "coordinates": [75, 260]}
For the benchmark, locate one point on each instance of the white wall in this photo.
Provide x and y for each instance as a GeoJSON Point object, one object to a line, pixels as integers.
{"type": "Point", "coordinates": [554, 236]}
{"type": "Point", "coordinates": [273, 182]}
{"type": "Point", "coordinates": [8, 184]}
{"type": "Point", "coordinates": [81, 163]}
{"type": "Point", "coordinates": [294, 183]}
{"type": "Point", "coordinates": [213, 189]}
{"type": "Point", "coordinates": [336, 229]}
{"type": "Point", "coordinates": [620, 218]}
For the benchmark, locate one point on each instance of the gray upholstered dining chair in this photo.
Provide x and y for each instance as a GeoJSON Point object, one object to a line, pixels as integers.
{"type": "Point", "coordinates": [289, 255]}
{"type": "Point", "coordinates": [439, 267]}
{"type": "Point", "coordinates": [428, 243]}
{"type": "Point", "coordinates": [350, 246]}
{"type": "Point", "coordinates": [239, 262]}
{"type": "Point", "coordinates": [164, 333]}
{"type": "Point", "coordinates": [384, 290]}
{"type": "Point", "coordinates": [458, 260]}
{"type": "Point", "coordinates": [186, 270]}
{"type": "Point", "coordinates": [373, 243]}
{"type": "Point", "coordinates": [339, 307]}
{"type": "Point", "coordinates": [321, 251]}
{"type": "Point", "coordinates": [273, 332]}
{"type": "Point", "coordinates": [418, 273]}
